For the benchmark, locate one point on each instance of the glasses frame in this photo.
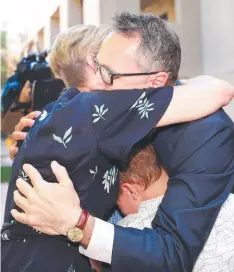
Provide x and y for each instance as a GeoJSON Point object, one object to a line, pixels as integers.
{"type": "Point", "coordinates": [113, 75]}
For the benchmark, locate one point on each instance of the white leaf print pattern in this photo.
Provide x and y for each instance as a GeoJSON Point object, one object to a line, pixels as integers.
{"type": "Point", "coordinates": [96, 108]}
{"type": "Point", "coordinates": [143, 106]}
{"type": "Point", "coordinates": [5, 236]}
{"type": "Point", "coordinates": [71, 269]}
{"type": "Point", "coordinates": [43, 115]}
{"type": "Point", "coordinates": [23, 175]}
{"type": "Point", "coordinates": [139, 99]}
{"type": "Point", "coordinates": [25, 268]}
{"type": "Point", "coordinates": [100, 112]}
{"type": "Point", "coordinates": [107, 186]}
{"type": "Point", "coordinates": [94, 172]}
{"type": "Point", "coordinates": [66, 138]}
{"type": "Point", "coordinates": [67, 133]}
{"type": "Point", "coordinates": [58, 139]}
{"type": "Point", "coordinates": [109, 178]}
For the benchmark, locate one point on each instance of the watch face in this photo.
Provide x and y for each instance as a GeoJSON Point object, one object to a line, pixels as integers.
{"type": "Point", "coordinates": [75, 235]}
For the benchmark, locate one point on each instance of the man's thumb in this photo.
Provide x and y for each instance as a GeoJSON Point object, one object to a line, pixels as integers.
{"type": "Point", "coordinates": [61, 173]}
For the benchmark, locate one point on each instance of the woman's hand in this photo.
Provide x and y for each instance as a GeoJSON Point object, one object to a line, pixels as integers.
{"type": "Point", "coordinates": [18, 135]}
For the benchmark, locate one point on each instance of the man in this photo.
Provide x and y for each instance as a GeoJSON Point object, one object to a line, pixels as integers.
{"type": "Point", "coordinates": [198, 157]}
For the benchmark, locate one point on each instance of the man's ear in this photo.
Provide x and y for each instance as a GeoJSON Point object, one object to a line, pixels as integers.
{"type": "Point", "coordinates": [158, 80]}
{"type": "Point", "coordinates": [131, 190]}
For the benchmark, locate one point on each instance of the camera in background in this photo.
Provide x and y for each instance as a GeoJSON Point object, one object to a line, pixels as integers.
{"type": "Point", "coordinates": [34, 71]}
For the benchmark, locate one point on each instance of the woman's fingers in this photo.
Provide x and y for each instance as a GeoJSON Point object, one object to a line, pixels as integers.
{"type": "Point", "coordinates": [33, 115]}
{"type": "Point", "coordinates": [27, 120]}
{"type": "Point", "coordinates": [19, 136]}
{"type": "Point", "coordinates": [13, 150]}
{"type": "Point", "coordinates": [23, 123]}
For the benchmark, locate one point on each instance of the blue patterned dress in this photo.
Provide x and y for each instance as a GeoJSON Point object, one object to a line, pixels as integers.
{"type": "Point", "coordinates": [91, 134]}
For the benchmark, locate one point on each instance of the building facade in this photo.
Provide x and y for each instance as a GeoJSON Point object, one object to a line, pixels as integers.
{"type": "Point", "coordinates": [205, 28]}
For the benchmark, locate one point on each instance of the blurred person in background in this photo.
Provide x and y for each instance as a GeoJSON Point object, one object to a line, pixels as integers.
{"type": "Point", "coordinates": [122, 45]}
{"type": "Point", "coordinates": [31, 87]}
{"type": "Point", "coordinates": [11, 117]}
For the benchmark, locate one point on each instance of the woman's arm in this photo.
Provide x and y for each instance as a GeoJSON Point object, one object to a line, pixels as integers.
{"type": "Point", "coordinates": [198, 98]}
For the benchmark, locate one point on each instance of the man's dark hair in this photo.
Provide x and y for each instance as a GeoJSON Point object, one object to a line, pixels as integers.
{"type": "Point", "coordinates": [160, 46]}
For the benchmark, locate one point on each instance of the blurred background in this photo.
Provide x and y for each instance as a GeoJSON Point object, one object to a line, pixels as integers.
{"type": "Point", "coordinates": [205, 28]}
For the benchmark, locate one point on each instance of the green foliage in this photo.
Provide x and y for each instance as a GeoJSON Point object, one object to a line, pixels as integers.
{"type": "Point", "coordinates": [5, 173]}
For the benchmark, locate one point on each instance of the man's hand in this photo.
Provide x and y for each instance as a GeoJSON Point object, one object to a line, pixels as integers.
{"type": "Point", "coordinates": [52, 208]}
{"type": "Point", "coordinates": [18, 135]}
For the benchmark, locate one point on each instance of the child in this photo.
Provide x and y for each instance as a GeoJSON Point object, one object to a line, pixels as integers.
{"type": "Point", "coordinates": [141, 193]}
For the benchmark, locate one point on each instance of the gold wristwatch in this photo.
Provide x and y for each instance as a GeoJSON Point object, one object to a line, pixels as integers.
{"type": "Point", "coordinates": [76, 234]}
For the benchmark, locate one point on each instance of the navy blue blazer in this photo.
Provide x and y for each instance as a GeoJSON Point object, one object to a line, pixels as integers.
{"type": "Point", "coordinates": [199, 157]}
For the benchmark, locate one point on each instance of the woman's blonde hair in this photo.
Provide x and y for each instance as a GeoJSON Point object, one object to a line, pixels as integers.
{"type": "Point", "coordinates": [70, 49]}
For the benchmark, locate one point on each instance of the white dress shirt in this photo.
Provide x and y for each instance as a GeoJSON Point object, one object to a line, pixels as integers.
{"type": "Point", "coordinates": [218, 252]}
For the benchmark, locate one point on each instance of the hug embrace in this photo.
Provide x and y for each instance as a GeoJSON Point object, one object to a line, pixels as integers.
{"type": "Point", "coordinates": [125, 135]}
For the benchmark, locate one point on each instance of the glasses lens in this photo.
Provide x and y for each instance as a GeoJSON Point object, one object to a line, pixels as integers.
{"type": "Point", "coordinates": [105, 74]}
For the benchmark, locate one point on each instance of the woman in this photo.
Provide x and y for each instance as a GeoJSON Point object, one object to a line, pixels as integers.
{"type": "Point", "coordinates": [72, 131]}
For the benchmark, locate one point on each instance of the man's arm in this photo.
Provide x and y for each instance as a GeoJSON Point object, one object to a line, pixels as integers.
{"type": "Point", "coordinates": [203, 178]}
{"type": "Point", "coordinates": [202, 170]}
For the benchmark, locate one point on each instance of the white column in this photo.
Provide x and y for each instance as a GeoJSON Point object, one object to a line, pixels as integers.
{"type": "Point", "coordinates": [110, 7]}
{"type": "Point", "coordinates": [70, 13]}
{"type": "Point", "coordinates": [217, 24]}
{"type": "Point", "coordinates": [40, 39]}
{"type": "Point", "coordinates": [187, 26]}
{"type": "Point", "coordinates": [91, 12]}
{"type": "Point", "coordinates": [98, 12]}
{"type": "Point", "coordinates": [50, 31]}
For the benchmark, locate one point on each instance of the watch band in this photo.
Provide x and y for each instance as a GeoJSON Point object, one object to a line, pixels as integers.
{"type": "Point", "coordinates": [81, 223]}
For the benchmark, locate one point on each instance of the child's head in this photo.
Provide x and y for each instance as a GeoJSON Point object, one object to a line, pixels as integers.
{"type": "Point", "coordinates": [144, 179]}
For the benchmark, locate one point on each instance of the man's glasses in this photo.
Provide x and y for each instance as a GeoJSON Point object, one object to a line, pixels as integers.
{"type": "Point", "coordinates": [108, 76]}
